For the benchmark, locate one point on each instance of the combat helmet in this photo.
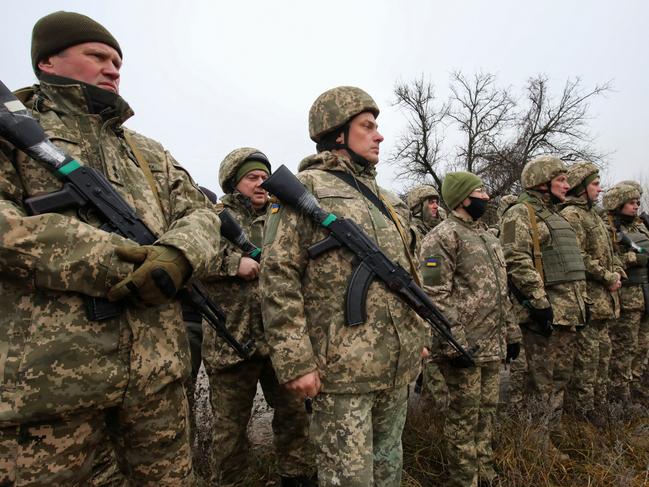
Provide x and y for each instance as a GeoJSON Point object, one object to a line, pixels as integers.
{"type": "Point", "coordinates": [419, 194]}
{"type": "Point", "coordinates": [337, 106]}
{"type": "Point", "coordinates": [541, 170]}
{"type": "Point", "coordinates": [233, 162]}
{"type": "Point", "coordinates": [619, 194]}
{"type": "Point", "coordinates": [633, 183]}
{"type": "Point", "coordinates": [581, 174]}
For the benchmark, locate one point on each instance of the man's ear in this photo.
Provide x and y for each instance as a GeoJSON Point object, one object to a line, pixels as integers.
{"type": "Point", "coordinates": [341, 138]}
{"type": "Point", "coordinates": [46, 65]}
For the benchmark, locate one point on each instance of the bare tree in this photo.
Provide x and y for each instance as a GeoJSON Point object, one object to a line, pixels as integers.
{"type": "Point", "coordinates": [499, 134]}
{"type": "Point", "coordinates": [417, 152]}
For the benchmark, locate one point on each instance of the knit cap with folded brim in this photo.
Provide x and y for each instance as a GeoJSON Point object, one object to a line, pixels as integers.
{"type": "Point", "coordinates": [457, 186]}
{"type": "Point", "coordinates": [60, 30]}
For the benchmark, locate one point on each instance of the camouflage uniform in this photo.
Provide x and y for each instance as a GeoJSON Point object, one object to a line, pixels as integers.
{"type": "Point", "coordinates": [593, 345]}
{"type": "Point", "coordinates": [549, 359]}
{"type": "Point", "coordinates": [365, 370]}
{"type": "Point", "coordinates": [431, 381]}
{"type": "Point", "coordinates": [629, 376]}
{"type": "Point", "coordinates": [63, 375]}
{"type": "Point", "coordinates": [233, 381]}
{"type": "Point", "coordinates": [464, 272]}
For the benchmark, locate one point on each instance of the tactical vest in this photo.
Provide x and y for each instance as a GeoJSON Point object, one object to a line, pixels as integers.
{"type": "Point", "coordinates": [639, 274]}
{"type": "Point", "coordinates": [562, 259]}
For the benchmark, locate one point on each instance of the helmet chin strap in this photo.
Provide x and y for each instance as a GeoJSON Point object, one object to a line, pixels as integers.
{"type": "Point", "coordinates": [329, 143]}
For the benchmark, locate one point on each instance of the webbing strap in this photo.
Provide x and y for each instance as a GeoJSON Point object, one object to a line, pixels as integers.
{"type": "Point", "coordinates": [144, 165]}
{"type": "Point", "coordinates": [538, 262]}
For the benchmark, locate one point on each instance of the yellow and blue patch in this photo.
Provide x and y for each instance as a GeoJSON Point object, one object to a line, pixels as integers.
{"type": "Point", "coordinates": [431, 262]}
{"type": "Point", "coordinates": [274, 207]}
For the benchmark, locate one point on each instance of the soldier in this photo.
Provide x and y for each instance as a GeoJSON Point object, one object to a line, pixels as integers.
{"type": "Point", "coordinates": [464, 271]}
{"type": "Point", "coordinates": [358, 376]}
{"type": "Point", "coordinates": [233, 381]}
{"type": "Point", "coordinates": [593, 345]}
{"type": "Point", "coordinates": [68, 379]}
{"type": "Point", "coordinates": [423, 202]}
{"type": "Point", "coordinates": [629, 378]}
{"type": "Point", "coordinates": [547, 276]}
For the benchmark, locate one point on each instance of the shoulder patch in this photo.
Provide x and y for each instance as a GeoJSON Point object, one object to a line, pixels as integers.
{"type": "Point", "coordinates": [431, 270]}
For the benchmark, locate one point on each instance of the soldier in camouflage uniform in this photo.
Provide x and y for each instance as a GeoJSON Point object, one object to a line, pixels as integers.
{"type": "Point", "coordinates": [423, 202]}
{"type": "Point", "coordinates": [603, 272]}
{"type": "Point", "coordinates": [358, 376]}
{"type": "Point", "coordinates": [547, 273]}
{"type": "Point", "coordinates": [464, 272]}
{"type": "Point", "coordinates": [233, 282]}
{"type": "Point", "coordinates": [66, 380]}
{"type": "Point", "coordinates": [629, 377]}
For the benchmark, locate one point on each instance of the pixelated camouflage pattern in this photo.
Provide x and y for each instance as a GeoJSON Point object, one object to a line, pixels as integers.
{"type": "Point", "coordinates": [231, 164]}
{"type": "Point", "coordinates": [631, 296]}
{"type": "Point", "coordinates": [619, 194]}
{"type": "Point", "coordinates": [603, 268]}
{"type": "Point", "coordinates": [568, 299]}
{"type": "Point", "coordinates": [56, 361]}
{"type": "Point", "coordinates": [579, 171]}
{"type": "Point", "coordinates": [333, 108]}
{"type": "Point", "coordinates": [540, 170]}
{"type": "Point", "coordinates": [239, 299]}
{"type": "Point", "coordinates": [469, 423]}
{"type": "Point", "coordinates": [77, 449]}
{"type": "Point", "coordinates": [232, 395]}
{"type": "Point", "coordinates": [468, 283]}
{"type": "Point", "coordinates": [303, 300]}
{"type": "Point", "coordinates": [358, 438]}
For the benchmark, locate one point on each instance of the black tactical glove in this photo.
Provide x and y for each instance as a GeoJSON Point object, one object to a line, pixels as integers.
{"type": "Point", "coordinates": [513, 349]}
{"type": "Point", "coordinates": [460, 362]}
{"type": "Point", "coordinates": [544, 318]}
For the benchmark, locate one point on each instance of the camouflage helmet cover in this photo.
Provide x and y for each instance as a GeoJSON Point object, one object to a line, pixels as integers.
{"type": "Point", "coordinates": [541, 170]}
{"type": "Point", "coordinates": [635, 184]}
{"type": "Point", "coordinates": [580, 172]}
{"type": "Point", "coordinates": [619, 194]}
{"type": "Point", "coordinates": [419, 194]}
{"type": "Point", "coordinates": [234, 160]}
{"type": "Point", "coordinates": [335, 107]}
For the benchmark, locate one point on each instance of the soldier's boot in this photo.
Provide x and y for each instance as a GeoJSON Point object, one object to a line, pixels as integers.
{"type": "Point", "coordinates": [300, 481]}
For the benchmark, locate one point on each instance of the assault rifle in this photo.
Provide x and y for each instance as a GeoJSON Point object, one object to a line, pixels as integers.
{"type": "Point", "coordinates": [231, 230]}
{"type": "Point", "coordinates": [373, 263]}
{"type": "Point", "coordinates": [88, 189]}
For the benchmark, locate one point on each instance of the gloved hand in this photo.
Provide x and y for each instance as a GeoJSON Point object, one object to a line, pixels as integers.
{"type": "Point", "coordinates": [162, 272]}
{"type": "Point", "coordinates": [460, 362]}
{"type": "Point", "coordinates": [513, 349]}
{"type": "Point", "coordinates": [544, 317]}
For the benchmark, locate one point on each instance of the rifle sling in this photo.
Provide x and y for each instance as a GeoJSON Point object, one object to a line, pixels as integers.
{"type": "Point", "coordinates": [144, 165]}
{"type": "Point", "coordinates": [384, 207]}
{"type": "Point", "coordinates": [538, 262]}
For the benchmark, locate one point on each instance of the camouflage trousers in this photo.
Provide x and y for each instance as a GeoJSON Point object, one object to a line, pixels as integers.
{"type": "Point", "coordinates": [232, 394]}
{"type": "Point", "coordinates": [357, 438]}
{"type": "Point", "coordinates": [624, 355]}
{"type": "Point", "coordinates": [148, 442]}
{"type": "Point", "coordinates": [550, 364]}
{"type": "Point", "coordinates": [589, 382]}
{"type": "Point", "coordinates": [468, 427]}
{"type": "Point", "coordinates": [434, 386]}
{"type": "Point", "coordinates": [518, 379]}
{"type": "Point", "coordinates": [639, 382]}
{"type": "Point", "coordinates": [195, 337]}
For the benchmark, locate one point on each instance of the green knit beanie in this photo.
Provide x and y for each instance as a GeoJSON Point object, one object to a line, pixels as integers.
{"type": "Point", "coordinates": [457, 186]}
{"type": "Point", "coordinates": [60, 30]}
{"type": "Point", "coordinates": [248, 166]}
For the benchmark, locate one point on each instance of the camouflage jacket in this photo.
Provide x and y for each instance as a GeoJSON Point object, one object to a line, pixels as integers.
{"type": "Point", "coordinates": [238, 298]}
{"type": "Point", "coordinates": [599, 258]}
{"type": "Point", "coordinates": [52, 359]}
{"type": "Point", "coordinates": [631, 296]}
{"type": "Point", "coordinates": [465, 275]}
{"type": "Point", "coordinates": [568, 299]}
{"type": "Point", "coordinates": [303, 300]}
{"type": "Point", "coordinates": [420, 227]}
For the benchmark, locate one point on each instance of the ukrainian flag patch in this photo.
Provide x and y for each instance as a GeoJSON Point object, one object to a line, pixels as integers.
{"type": "Point", "coordinates": [432, 262]}
{"type": "Point", "coordinates": [274, 207]}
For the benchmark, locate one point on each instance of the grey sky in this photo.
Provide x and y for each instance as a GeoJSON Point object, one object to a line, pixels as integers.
{"type": "Point", "coordinates": [205, 77]}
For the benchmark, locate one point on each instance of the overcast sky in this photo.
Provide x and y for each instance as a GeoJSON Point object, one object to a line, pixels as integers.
{"type": "Point", "coordinates": [205, 77]}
